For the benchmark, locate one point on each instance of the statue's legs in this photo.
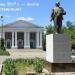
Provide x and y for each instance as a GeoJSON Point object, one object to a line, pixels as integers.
{"type": "Point", "coordinates": [57, 25]}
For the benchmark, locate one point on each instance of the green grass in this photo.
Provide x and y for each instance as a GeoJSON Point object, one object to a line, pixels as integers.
{"type": "Point", "coordinates": [22, 68]}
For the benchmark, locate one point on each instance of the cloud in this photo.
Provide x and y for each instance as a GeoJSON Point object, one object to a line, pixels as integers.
{"type": "Point", "coordinates": [33, 4]}
{"type": "Point", "coordinates": [25, 18]}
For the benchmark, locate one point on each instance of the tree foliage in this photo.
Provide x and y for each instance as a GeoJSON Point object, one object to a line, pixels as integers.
{"type": "Point", "coordinates": [49, 29]}
{"type": "Point", "coordinates": [69, 29]}
{"type": "Point", "coordinates": [2, 44]}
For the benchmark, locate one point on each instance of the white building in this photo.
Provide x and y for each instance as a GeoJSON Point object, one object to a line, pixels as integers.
{"type": "Point", "coordinates": [22, 34]}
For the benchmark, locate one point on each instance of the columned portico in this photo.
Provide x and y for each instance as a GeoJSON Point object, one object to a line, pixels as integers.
{"type": "Point", "coordinates": [25, 41]}
{"type": "Point", "coordinates": [22, 34]}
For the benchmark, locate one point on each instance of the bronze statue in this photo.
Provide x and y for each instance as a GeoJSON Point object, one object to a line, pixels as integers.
{"type": "Point", "coordinates": [57, 17]}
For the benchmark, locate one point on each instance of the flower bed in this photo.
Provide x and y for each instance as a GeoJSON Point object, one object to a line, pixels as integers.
{"type": "Point", "coordinates": [22, 66]}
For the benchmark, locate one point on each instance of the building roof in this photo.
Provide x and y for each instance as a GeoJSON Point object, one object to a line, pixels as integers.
{"type": "Point", "coordinates": [21, 24]}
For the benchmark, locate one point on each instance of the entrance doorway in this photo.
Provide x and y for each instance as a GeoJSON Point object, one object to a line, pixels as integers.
{"type": "Point", "coordinates": [8, 43]}
{"type": "Point", "coordinates": [20, 40]}
{"type": "Point", "coordinates": [32, 44]}
{"type": "Point", "coordinates": [32, 40]}
{"type": "Point", "coordinates": [8, 39]}
{"type": "Point", "coordinates": [20, 43]}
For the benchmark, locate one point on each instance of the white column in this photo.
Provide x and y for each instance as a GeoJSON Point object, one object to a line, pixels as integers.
{"type": "Point", "coordinates": [24, 39]}
{"type": "Point", "coordinates": [15, 39]}
{"type": "Point", "coordinates": [37, 39]}
{"type": "Point", "coordinates": [12, 39]}
{"type": "Point", "coordinates": [28, 39]}
{"type": "Point", "coordinates": [40, 39]}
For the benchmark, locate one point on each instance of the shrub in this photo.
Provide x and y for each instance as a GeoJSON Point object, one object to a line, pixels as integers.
{"type": "Point", "coordinates": [25, 61]}
{"type": "Point", "coordinates": [2, 48]}
{"type": "Point", "coordinates": [2, 44]}
{"type": "Point", "coordinates": [9, 67]}
{"type": "Point", "coordinates": [38, 65]}
{"type": "Point", "coordinates": [4, 52]}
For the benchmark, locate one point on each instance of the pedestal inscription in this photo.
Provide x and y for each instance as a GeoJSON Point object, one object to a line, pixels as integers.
{"type": "Point", "coordinates": [58, 48]}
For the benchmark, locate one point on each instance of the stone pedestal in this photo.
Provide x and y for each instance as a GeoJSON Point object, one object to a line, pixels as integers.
{"type": "Point", "coordinates": [58, 48]}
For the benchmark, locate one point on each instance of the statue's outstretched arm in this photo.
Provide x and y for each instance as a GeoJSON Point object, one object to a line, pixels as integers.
{"type": "Point", "coordinates": [52, 15]}
{"type": "Point", "coordinates": [64, 12]}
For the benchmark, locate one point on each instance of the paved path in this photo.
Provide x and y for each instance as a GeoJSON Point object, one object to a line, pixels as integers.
{"type": "Point", "coordinates": [63, 73]}
{"type": "Point", "coordinates": [15, 53]}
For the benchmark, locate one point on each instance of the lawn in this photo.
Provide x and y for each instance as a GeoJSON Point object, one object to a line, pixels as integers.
{"type": "Point", "coordinates": [22, 68]}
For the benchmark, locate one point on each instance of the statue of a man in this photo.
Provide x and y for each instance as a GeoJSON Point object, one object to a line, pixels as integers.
{"type": "Point", "coordinates": [57, 17]}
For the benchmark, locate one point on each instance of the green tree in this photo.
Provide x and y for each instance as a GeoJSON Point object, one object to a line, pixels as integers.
{"type": "Point", "coordinates": [44, 42]}
{"type": "Point", "coordinates": [2, 44]}
{"type": "Point", "coordinates": [70, 29]}
{"type": "Point", "coordinates": [9, 67]}
{"type": "Point", "coordinates": [49, 29]}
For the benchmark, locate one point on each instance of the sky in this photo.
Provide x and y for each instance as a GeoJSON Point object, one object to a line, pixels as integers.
{"type": "Point", "coordinates": [34, 11]}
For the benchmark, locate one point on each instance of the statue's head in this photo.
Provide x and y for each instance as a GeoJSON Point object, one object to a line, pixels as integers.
{"type": "Point", "coordinates": [57, 4]}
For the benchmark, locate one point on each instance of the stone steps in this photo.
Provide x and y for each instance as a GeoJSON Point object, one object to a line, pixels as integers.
{"type": "Point", "coordinates": [25, 50]}
{"type": "Point", "coordinates": [63, 73]}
